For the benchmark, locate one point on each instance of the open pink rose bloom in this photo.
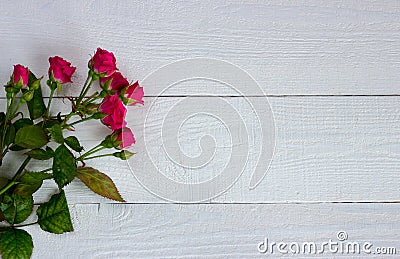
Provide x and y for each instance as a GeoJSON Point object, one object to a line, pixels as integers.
{"type": "Point", "coordinates": [126, 137]}
{"type": "Point", "coordinates": [103, 62]}
{"type": "Point", "coordinates": [115, 110]}
{"type": "Point", "coordinates": [61, 69]}
{"type": "Point", "coordinates": [21, 73]}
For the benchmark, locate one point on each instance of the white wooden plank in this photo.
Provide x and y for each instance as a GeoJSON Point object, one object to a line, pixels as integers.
{"type": "Point", "coordinates": [215, 231]}
{"type": "Point", "coordinates": [290, 48]}
{"type": "Point", "coordinates": [327, 149]}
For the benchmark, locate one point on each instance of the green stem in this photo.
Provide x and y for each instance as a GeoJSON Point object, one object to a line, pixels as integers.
{"type": "Point", "coordinates": [21, 168]}
{"type": "Point", "coordinates": [93, 97]}
{"type": "Point", "coordinates": [25, 225]}
{"type": "Point", "coordinates": [61, 115]}
{"type": "Point", "coordinates": [85, 84]}
{"type": "Point", "coordinates": [85, 88]}
{"type": "Point", "coordinates": [91, 151]}
{"type": "Point", "coordinates": [9, 110]}
{"type": "Point", "coordinates": [17, 174]}
{"type": "Point", "coordinates": [13, 112]}
{"type": "Point", "coordinates": [78, 121]}
{"type": "Point", "coordinates": [48, 105]}
{"type": "Point", "coordinates": [104, 155]}
{"type": "Point", "coordinates": [69, 116]}
{"type": "Point", "coordinates": [85, 92]}
{"type": "Point", "coordinates": [8, 186]}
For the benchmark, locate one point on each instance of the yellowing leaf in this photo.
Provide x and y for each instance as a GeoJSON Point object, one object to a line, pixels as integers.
{"type": "Point", "coordinates": [99, 183]}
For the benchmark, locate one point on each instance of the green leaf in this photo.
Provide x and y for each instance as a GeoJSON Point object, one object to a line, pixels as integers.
{"type": "Point", "coordinates": [50, 123]}
{"type": "Point", "coordinates": [16, 208]}
{"type": "Point", "coordinates": [49, 150]}
{"type": "Point", "coordinates": [64, 166]}
{"type": "Point", "coordinates": [22, 122]}
{"type": "Point", "coordinates": [31, 136]}
{"type": "Point", "coordinates": [2, 218]}
{"type": "Point", "coordinates": [16, 148]}
{"type": "Point", "coordinates": [73, 143]}
{"type": "Point", "coordinates": [2, 117]}
{"type": "Point", "coordinates": [30, 182]}
{"type": "Point", "coordinates": [3, 229]}
{"type": "Point", "coordinates": [54, 215]}
{"type": "Point", "coordinates": [56, 133]}
{"type": "Point", "coordinates": [36, 106]}
{"type": "Point", "coordinates": [40, 154]}
{"type": "Point", "coordinates": [16, 244]}
{"type": "Point", "coordinates": [99, 183]}
{"type": "Point", "coordinates": [10, 135]}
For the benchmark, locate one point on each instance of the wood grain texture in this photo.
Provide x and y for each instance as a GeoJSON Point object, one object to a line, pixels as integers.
{"type": "Point", "coordinates": [331, 69]}
{"type": "Point", "coordinates": [290, 48]}
{"type": "Point", "coordinates": [214, 231]}
{"type": "Point", "coordinates": [327, 149]}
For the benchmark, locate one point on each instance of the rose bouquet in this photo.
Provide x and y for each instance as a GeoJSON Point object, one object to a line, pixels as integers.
{"type": "Point", "coordinates": [48, 136]}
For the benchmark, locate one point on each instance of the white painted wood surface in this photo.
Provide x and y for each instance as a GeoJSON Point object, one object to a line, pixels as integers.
{"type": "Point", "coordinates": [331, 71]}
{"type": "Point", "coordinates": [290, 47]}
{"type": "Point", "coordinates": [215, 231]}
{"type": "Point", "coordinates": [327, 149]}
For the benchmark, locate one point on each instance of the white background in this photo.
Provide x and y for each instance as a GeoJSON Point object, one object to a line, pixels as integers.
{"type": "Point", "coordinates": [331, 70]}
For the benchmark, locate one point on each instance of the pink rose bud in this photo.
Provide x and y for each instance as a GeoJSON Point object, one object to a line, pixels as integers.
{"type": "Point", "coordinates": [103, 63]}
{"type": "Point", "coordinates": [61, 70]}
{"type": "Point", "coordinates": [133, 94]}
{"type": "Point", "coordinates": [115, 110]}
{"type": "Point", "coordinates": [116, 82]}
{"type": "Point", "coordinates": [21, 76]}
{"type": "Point", "coordinates": [125, 136]}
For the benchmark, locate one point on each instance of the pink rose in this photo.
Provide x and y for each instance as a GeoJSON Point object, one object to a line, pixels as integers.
{"type": "Point", "coordinates": [21, 73]}
{"type": "Point", "coordinates": [115, 110]}
{"type": "Point", "coordinates": [126, 137]}
{"type": "Point", "coordinates": [133, 94]}
{"type": "Point", "coordinates": [61, 69]}
{"type": "Point", "coordinates": [103, 62]}
{"type": "Point", "coordinates": [116, 82]}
